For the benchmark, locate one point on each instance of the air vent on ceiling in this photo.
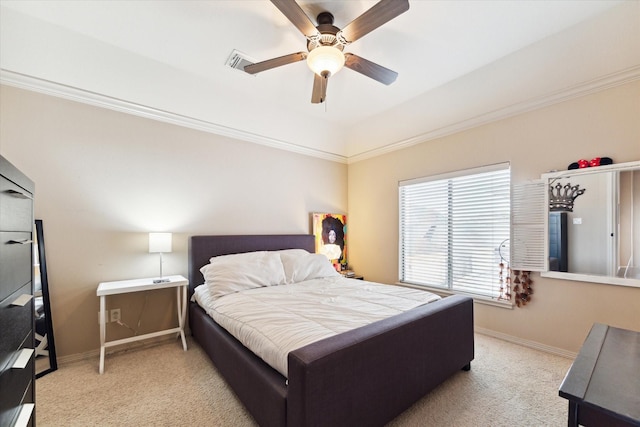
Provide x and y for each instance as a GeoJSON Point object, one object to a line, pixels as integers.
{"type": "Point", "coordinates": [238, 60]}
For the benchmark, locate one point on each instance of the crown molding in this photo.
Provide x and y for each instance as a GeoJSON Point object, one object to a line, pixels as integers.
{"type": "Point", "coordinates": [47, 87]}
{"type": "Point", "coordinates": [592, 86]}
{"type": "Point", "coordinates": [71, 93]}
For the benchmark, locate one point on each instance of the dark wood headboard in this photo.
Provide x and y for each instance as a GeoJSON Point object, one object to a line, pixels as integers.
{"type": "Point", "coordinates": [202, 248]}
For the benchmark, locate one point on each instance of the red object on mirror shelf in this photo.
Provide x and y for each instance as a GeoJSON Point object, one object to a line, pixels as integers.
{"type": "Point", "coordinates": [596, 161]}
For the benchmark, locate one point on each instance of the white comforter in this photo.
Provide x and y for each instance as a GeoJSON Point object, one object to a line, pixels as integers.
{"type": "Point", "coordinates": [272, 321]}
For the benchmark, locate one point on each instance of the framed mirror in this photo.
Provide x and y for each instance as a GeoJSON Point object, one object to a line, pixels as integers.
{"type": "Point", "coordinates": [593, 224]}
{"type": "Point", "coordinates": [45, 345]}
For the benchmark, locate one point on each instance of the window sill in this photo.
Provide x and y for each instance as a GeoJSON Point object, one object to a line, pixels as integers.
{"type": "Point", "coordinates": [445, 293]}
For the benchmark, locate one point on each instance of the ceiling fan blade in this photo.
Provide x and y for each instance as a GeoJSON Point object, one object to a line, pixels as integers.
{"type": "Point", "coordinates": [275, 62]}
{"type": "Point", "coordinates": [370, 69]}
{"type": "Point", "coordinates": [296, 15]}
{"type": "Point", "coordinates": [319, 93]}
{"type": "Point", "coordinates": [381, 13]}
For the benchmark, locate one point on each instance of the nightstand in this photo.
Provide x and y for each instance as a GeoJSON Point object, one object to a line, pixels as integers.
{"type": "Point", "coordinates": [349, 274]}
{"type": "Point", "coordinates": [137, 285]}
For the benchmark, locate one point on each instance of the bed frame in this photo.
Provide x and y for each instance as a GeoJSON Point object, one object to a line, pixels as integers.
{"type": "Point", "coordinates": [365, 377]}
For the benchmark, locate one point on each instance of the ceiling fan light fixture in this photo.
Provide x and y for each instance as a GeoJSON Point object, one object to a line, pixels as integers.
{"type": "Point", "coordinates": [325, 59]}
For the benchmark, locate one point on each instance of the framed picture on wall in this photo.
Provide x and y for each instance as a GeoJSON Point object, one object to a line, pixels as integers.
{"type": "Point", "coordinates": [330, 231]}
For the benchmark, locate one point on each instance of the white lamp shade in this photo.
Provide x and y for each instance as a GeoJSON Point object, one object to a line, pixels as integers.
{"type": "Point", "coordinates": [159, 242]}
{"type": "Point", "coordinates": [325, 58]}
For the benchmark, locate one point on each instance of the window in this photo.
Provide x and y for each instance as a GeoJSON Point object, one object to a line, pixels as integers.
{"type": "Point", "coordinates": [454, 229]}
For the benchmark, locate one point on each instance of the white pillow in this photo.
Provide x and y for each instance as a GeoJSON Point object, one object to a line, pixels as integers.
{"type": "Point", "coordinates": [233, 273]}
{"type": "Point", "coordinates": [300, 267]}
{"type": "Point", "coordinates": [292, 252]}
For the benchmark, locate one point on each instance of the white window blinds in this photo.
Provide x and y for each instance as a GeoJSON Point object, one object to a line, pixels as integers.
{"type": "Point", "coordinates": [528, 236]}
{"type": "Point", "coordinates": [451, 229]}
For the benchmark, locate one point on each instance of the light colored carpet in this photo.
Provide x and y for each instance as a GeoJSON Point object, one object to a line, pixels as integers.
{"type": "Point", "coordinates": [508, 385]}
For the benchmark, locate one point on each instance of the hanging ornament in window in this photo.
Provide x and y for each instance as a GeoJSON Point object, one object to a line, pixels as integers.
{"type": "Point", "coordinates": [504, 272]}
{"type": "Point", "coordinates": [522, 287]}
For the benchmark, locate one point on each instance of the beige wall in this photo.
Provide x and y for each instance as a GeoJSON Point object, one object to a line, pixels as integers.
{"type": "Point", "coordinates": [606, 123]}
{"type": "Point", "coordinates": [105, 179]}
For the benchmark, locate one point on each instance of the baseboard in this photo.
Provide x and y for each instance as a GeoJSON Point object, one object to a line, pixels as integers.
{"type": "Point", "coordinates": [527, 343]}
{"type": "Point", "coordinates": [151, 342]}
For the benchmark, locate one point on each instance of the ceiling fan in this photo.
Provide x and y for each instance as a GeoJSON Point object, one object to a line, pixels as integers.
{"type": "Point", "coordinates": [326, 43]}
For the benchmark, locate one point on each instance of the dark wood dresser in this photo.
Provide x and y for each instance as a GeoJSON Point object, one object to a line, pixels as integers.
{"type": "Point", "coordinates": [603, 383]}
{"type": "Point", "coordinates": [17, 360]}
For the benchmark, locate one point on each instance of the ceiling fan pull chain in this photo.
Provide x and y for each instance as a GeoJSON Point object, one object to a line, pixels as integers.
{"type": "Point", "coordinates": [324, 82]}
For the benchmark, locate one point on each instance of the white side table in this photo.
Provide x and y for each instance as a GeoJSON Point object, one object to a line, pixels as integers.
{"type": "Point", "coordinates": [137, 285]}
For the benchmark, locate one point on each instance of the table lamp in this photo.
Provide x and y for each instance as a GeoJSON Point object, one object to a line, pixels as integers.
{"type": "Point", "coordinates": [160, 243]}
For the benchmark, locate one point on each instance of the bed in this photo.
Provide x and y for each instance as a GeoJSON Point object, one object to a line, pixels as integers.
{"type": "Point", "coordinates": [363, 377]}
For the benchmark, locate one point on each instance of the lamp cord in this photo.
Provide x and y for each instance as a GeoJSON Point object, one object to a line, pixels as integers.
{"type": "Point", "coordinates": [135, 331]}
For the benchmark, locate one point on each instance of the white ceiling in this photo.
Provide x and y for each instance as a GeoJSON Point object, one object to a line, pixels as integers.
{"type": "Point", "coordinates": [457, 61]}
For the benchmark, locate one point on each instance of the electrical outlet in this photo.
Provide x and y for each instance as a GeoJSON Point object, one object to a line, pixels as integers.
{"type": "Point", "coordinates": [115, 315]}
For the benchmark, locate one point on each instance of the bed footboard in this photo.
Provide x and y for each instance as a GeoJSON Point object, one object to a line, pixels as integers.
{"type": "Point", "coordinates": [370, 375]}
{"type": "Point", "coordinates": [261, 389]}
